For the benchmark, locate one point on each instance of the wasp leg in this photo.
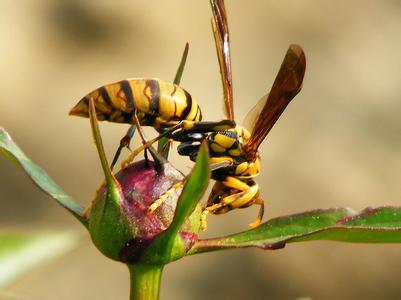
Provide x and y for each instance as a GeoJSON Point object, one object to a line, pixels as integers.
{"type": "Point", "coordinates": [235, 183]}
{"type": "Point", "coordinates": [220, 164]}
{"type": "Point", "coordinates": [244, 196]}
{"type": "Point", "coordinates": [162, 198]}
{"type": "Point", "coordinates": [179, 131]}
{"type": "Point", "coordinates": [233, 201]}
{"type": "Point", "coordinates": [148, 144]}
{"type": "Point", "coordinates": [189, 127]}
{"type": "Point", "coordinates": [159, 159]}
{"type": "Point", "coordinates": [259, 218]}
{"type": "Point", "coordinates": [124, 142]}
{"type": "Point", "coordinates": [203, 223]}
{"type": "Point", "coordinates": [239, 199]}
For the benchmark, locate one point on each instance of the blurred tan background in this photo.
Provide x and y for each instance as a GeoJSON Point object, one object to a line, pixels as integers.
{"type": "Point", "coordinates": [337, 144]}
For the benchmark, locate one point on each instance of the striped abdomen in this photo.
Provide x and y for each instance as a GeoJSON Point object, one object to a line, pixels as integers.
{"type": "Point", "coordinates": [156, 102]}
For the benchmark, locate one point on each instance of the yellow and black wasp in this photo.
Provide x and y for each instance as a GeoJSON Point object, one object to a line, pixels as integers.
{"type": "Point", "coordinates": [174, 113]}
{"type": "Point", "coordinates": [235, 186]}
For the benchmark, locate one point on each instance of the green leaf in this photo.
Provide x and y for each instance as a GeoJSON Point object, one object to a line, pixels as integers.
{"type": "Point", "coordinates": [372, 225]}
{"type": "Point", "coordinates": [110, 179]}
{"type": "Point", "coordinates": [39, 176]}
{"type": "Point", "coordinates": [193, 190]}
{"type": "Point", "coordinates": [21, 252]}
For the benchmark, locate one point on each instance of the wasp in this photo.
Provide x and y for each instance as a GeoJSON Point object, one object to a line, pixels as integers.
{"type": "Point", "coordinates": [236, 149]}
{"type": "Point", "coordinates": [233, 150]}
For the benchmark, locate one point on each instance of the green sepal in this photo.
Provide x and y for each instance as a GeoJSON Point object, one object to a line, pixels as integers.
{"type": "Point", "coordinates": [170, 245]}
{"type": "Point", "coordinates": [108, 225]}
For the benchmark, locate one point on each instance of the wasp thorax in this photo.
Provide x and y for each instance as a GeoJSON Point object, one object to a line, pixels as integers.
{"type": "Point", "coordinates": [123, 223]}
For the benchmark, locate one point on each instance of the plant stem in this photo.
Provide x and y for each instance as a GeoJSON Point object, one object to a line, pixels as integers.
{"type": "Point", "coordinates": [145, 281]}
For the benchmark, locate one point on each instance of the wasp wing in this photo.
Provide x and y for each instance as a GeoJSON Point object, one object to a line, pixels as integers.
{"type": "Point", "coordinates": [222, 41]}
{"type": "Point", "coordinates": [286, 86]}
{"type": "Point", "coordinates": [252, 115]}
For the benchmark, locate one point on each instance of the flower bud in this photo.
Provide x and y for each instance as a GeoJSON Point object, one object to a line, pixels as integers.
{"type": "Point", "coordinates": [121, 223]}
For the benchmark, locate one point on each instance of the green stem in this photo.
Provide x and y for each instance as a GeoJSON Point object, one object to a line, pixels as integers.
{"type": "Point", "coordinates": [145, 281]}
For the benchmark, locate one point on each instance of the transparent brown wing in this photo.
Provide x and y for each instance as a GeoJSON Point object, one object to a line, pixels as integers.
{"type": "Point", "coordinates": [286, 86]}
{"type": "Point", "coordinates": [252, 115]}
{"type": "Point", "coordinates": [222, 41]}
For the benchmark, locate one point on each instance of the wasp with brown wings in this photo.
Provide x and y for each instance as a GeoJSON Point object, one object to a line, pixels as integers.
{"type": "Point", "coordinates": [235, 186]}
{"type": "Point", "coordinates": [233, 150]}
